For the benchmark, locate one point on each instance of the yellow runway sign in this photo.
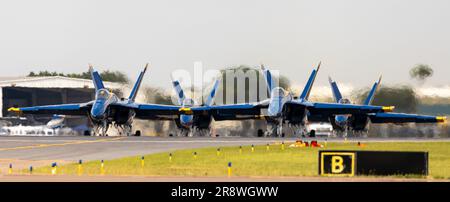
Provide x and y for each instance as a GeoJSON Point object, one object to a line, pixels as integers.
{"type": "Point", "coordinates": [337, 163]}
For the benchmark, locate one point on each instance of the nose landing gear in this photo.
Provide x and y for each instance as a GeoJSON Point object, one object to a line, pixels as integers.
{"type": "Point", "coordinates": [124, 129]}
{"type": "Point", "coordinates": [101, 129]}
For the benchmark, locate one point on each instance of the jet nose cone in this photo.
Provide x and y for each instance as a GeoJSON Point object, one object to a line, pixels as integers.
{"type": "Point", "coordinates": [341, 120]}
{"type": "Point", "coordinates": [274, 114]}
{"type": "Point", "coordinates": [97, 113]}
{"type": "Point", "coordinates": [274, 111]}
{"type": "Point", "coordinates": [98, 116]}
{"type": "Point", "coordinates": [186, 120]}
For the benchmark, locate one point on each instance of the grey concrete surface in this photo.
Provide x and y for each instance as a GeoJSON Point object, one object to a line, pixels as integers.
{"type": "Point", "coordinates": [96, 148]}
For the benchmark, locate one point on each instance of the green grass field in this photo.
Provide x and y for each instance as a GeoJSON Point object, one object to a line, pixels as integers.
{"type": "Point", "coordinates": [262, 162]}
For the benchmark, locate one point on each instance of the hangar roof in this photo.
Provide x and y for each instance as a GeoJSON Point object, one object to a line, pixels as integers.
{"type": "Point", "coordinates": [53, 82]}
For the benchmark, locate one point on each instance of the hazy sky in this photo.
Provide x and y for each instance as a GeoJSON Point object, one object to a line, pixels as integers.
{"type": "Point", "coordinates": [355, 40]}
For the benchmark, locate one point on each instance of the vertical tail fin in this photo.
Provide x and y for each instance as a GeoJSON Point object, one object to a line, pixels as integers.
{"type": "Point", "coordinates": [137, 85]}
{"type": "Point", "coordinates": [179, 91]}
{"type": "Point", "coordinates": [96, 78]}
{"type": "Point", "coordinates": [307, 90]}
{"type": "Point", "coordinates": [268, 78]}
{"type": "Point", "coordinates": [371, 95]}
{"type": "Point", "coordinates": [212, 94]}
{"type": "Point", "coordinates": [334, 88]}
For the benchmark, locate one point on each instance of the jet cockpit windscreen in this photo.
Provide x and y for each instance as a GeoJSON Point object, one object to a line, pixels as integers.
{"type": "Point", "coordinates": [278, 92]}
{"type": "Point", "coordinates": [188, 103]}
{"type": "Point", "coordinates": [344, 101]}
{"type": "Point", "coordinates": [102, 94]}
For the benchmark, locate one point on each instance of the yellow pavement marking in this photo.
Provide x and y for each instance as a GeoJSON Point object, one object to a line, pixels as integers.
{"type": "Point", "coordinates": [60, 144]}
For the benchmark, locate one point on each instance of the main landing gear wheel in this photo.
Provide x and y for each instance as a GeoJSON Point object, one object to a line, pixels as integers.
{"type": "Point", "coordinates": [312, 133]}
{"type": "Point", "coordinates": [138, 133]}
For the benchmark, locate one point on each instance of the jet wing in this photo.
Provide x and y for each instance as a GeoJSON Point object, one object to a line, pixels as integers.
{"type": "Point", "coordinates": [63, 109]}
{"type": "Point", "coordinates": [321, 112]}
{"type": "Point", "coordinates": [156, 111]}
{"type": "Point", "coordinates": [336, 108]}
{"type": "Point", "coordinates": [404, 118]}
{"type": "Point", "coordinates": [232, 111]}
{"type": "Point", "coordinates": [317, 108]}
{"type": "Point", "coordinates": [171, 112]}
{"type": "Point", "coordinates": [256, 110]}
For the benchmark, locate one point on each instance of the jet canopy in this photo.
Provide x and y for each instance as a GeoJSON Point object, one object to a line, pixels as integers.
{"type": "Point", "coordinates": [278, 92]}
{"type": "Point", "coordinates": [344, 101]}
{"type": "Point", "coordinates": [102, 94]}
{"type": "Point", "coordinates": [188, 102]}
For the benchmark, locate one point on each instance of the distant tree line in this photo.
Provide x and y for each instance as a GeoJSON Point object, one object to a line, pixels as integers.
{"type": "Point", "coordinates": [112, 76]}
{"type": "Point", "coordinates": [240, 72]}
{"type": "Point", "coordinates": [404, 98]}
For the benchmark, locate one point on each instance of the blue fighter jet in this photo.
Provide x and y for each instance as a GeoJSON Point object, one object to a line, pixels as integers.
{"type": "Point", "coordinates": [282, 108]}
{"type": "Point", "coordinates": [107, 109]}
{"type": "Point", "coordinates": [360, 123]}
{"type": "Point", "coordinates": [189, 123]}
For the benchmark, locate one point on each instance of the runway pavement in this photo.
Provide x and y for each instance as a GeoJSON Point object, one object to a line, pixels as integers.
{"type": "Point", "coordinates": [92, 148]}
{"type": "Point", "coordinates": [23, 151]}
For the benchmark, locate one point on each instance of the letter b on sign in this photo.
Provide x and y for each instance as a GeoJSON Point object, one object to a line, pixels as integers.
{"type": "Point", "coordinates": [336, 163]}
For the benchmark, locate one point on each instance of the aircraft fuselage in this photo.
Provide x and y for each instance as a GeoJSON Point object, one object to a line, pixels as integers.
{"type": "Point", "coordinates": [103, 100]}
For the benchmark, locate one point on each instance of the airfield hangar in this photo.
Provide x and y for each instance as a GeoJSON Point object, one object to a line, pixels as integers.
{"type": "Point", "coordinates": [32, 91]}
